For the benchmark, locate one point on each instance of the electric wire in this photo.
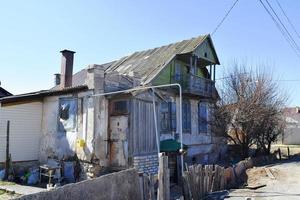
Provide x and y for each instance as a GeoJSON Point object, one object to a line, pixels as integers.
{"type": "Point", "coordinates": [225, 16]}
{"type": "Point", "coordinates": [282, 24]}
{"type": "Point", "coordinates": [288, 19]}
{"type": "Point", "coordinates": [280, 29]}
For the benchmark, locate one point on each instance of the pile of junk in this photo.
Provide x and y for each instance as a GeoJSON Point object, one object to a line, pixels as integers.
{"type": "Point", "coordinates": [52, 174]}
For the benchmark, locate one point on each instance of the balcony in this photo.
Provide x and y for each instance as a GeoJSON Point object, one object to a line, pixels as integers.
{"type": "Point", "coordinates": [195, 85]}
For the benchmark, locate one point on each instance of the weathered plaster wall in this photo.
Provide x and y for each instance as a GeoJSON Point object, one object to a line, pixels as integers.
{"type": "Point", "coordinates": [98, 109]}
{"type": "Point", "coordinates": [60, 144]}
{"type": "Point", "coordinates": [204, 147]}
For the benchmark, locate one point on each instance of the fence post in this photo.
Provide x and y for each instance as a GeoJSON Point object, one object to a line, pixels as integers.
{"type": "Point", "coordinates": [7, 161]}
{"type": "Point", "coordinates": [163, 178]}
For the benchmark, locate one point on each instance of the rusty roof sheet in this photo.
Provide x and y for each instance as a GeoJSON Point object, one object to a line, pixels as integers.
{"type": "Point", "coordinates": [147, 64]}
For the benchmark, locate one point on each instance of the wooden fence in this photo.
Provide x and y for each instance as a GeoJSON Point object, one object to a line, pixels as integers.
{"type": "Point", "coordinates": [199, 180]}
{"type": "Point", "coordinates": [147, 184]}
{"type": "Point", "coordinates": [157, 187]}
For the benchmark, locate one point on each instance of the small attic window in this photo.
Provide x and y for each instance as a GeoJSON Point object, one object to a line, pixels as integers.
{"type": "Point", "coordinates": [205, 54]}
{"type": "Point", "coordinates": [120, 107]}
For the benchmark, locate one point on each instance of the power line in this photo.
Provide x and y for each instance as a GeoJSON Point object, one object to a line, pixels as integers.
{"type": "Point", "coordinates": [288, 19]}
{"type": "Point", "coordinates": [287, 38]}
{"type": "Point", "coordinates": [280, 29]}
{"type": "Point", "coordinates": [291, 80]}
{"type": "Point", "coordinates": [281, 80]}
{"type": "Point", "coordinates": [287, 31]}
{"type": "Point", "coordinates": [223, 19]}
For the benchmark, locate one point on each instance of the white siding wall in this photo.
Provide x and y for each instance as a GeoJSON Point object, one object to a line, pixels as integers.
{"type": "Point", "coordinates": [25, 131]}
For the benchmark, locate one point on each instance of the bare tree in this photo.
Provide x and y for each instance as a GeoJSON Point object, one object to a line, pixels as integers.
{"type": "Point", "coordinates": [249, 112]}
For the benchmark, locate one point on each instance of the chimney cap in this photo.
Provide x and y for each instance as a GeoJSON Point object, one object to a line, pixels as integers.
{"type": "Point", "coordinates": [66, 50]}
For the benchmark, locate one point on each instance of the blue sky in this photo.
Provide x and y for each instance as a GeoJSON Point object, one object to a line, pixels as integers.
{"type": "Point", "coordinates": [33, 32]}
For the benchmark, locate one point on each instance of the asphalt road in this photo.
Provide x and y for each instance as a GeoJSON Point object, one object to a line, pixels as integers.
{"type": "Point", "coordinates": [285, 185]}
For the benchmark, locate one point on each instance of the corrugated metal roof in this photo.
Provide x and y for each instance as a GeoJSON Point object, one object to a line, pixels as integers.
{"type": "Point", "coordinates": [79, 78]}
{"type": "Point", "coordinates": [147, 64]}
{"type": "Point", "coordinates": [42, 93]}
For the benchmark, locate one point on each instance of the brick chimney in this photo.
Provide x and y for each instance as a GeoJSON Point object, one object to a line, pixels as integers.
{"type": "Point", "coordinates": [67, 59]}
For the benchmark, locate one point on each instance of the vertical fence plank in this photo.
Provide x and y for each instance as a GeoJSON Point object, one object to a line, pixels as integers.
{"type": "Point", "coordinates": [200, 180]}
{"type": "Point", "coordinates": [163, 178]}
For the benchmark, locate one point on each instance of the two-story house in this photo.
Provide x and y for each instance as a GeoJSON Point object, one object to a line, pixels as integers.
{"type": "Point", "coordinates": [82, 116]}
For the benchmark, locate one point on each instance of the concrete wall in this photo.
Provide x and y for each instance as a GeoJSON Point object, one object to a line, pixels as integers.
{"type": "Point", "coordinates": [98, 108]}
{"type": "Point", "coordinates": [291, 135]}
{"type": "Point", "coordinates": [115, 186]}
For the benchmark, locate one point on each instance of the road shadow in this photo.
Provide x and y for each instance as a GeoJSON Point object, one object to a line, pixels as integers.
{"type": "Point", "coordinates": [265, 194]}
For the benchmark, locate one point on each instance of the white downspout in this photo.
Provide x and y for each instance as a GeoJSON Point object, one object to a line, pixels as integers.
{"type": "Point", "coordinates": [155, 123]}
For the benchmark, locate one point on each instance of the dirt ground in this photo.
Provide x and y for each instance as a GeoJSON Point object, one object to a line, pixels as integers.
{"type": "Point", "coordinates": [283, 183]}
{"type": "Point", "coordinates": [5, 196]}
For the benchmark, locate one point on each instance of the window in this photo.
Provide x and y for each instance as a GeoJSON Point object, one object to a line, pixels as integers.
{"type": "Point", "coordinates": [202, 117]}
{"type": "Point", "coordinates": [186, 116]}
{"type": "Point", "coordinates": [168, 116]}
{"type": "Point", "coordinates": [120, 107]}
{"type": "Point", "coordinates": [67, 114]}
{"type": "Point", "coordinates": [177, 72]}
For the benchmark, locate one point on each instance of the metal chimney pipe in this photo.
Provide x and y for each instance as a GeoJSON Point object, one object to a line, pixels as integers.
{"type": "Point", "coordinates": [56, 79]}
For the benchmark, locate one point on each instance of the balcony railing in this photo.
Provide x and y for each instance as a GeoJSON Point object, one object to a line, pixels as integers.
{"type": "Point", "coordinates": [194, 84]}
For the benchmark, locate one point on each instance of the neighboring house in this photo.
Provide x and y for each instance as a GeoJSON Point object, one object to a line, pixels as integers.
{"type": "Point", "coordinates": [117, 130]}
{"type": "Point", "coordinates": [291, 133]}
{"type": "Point", "coordinates": [3, 92]}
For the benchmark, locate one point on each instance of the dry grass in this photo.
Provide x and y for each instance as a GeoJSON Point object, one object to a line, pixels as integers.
{"type": "Point", "coordinates": [256, 175]}
{"type": "Point", "coordinates": [6, 183]}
